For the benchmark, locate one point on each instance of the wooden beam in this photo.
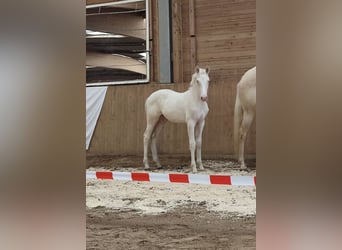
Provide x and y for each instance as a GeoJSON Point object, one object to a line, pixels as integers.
{"type": "Point", "coordinates": [115, 62]}
{"type": "Point", "coordinates": [177, 41]}
{"type": "Point", "coordinates": [154, 45]}
{"type": "Point", "coordinates": [123, 24]}
{"type": "Point", "coordinates": [192, 17]}
{"type": "Point", "coordinates": [193, 52]}
{"type": "Point", "coordinates": [151, 27]}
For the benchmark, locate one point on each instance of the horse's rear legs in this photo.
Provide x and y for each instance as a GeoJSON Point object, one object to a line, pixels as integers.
{"type": "Point", "coordinates": [245, 126]}
{"type": "Point", "coordinates": [151, 123]}
{"type": "Point", "coordinates": [158, 127]}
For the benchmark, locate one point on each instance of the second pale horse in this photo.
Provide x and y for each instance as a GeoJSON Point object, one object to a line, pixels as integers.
{"type": "Point", "coordinates": [189, 107]}
{"type": "Point", "coordinates": [245, 108]}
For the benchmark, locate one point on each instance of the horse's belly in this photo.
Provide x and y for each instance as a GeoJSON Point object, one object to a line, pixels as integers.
{"type": "Point", "coordinates": [177, 117]}
{"type": "Point", "coordinates": [173, 109]}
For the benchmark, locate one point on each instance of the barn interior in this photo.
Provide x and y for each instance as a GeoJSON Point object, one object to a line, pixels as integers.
{"type": "Point", "coordinates": [181, 34]}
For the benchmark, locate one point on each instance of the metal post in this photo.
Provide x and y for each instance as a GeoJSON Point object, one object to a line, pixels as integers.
{"type": "Point", "coordinates": [164, 41]}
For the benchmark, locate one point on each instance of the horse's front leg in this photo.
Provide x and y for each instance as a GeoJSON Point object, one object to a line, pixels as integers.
{"type": "Point", "coordinates": [192, 144]}
{"type": "Point", "coordinates": [198, 134]}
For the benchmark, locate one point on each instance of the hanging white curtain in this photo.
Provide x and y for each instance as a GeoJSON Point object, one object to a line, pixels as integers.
{"type": "Point", "coordinates": [94, 100]}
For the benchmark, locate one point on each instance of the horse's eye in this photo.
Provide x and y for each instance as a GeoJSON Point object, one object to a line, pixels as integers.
{"type": "Point", "coordinates": [197, 81]}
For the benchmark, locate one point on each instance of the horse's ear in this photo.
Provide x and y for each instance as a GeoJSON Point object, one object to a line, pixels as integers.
{"type": "Point", "coordinates": [197, 69]}
{"type": "Point", "coordinates": [207, 69]}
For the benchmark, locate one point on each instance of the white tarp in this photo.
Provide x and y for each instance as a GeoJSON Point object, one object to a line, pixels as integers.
{"type": "Point", "coordinates": [94, 100]}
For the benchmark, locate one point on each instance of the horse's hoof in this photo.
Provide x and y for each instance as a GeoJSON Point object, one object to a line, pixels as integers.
{"type": "Point", "coordinates": [194, 170]}
{"type": "Point", "coordinates": [147, 167]}
{"type": "Point", "coordinates": [244, 168]}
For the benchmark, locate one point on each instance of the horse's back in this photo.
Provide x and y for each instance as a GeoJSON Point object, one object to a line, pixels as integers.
{"type": "Point", "coordinates": [163, 93]}
{"type": "Point", "coordinates": [159, 96]}
{"type": "Point", "coordinates": [171, 104]}
{"type": "Point", "coordinates": [157, 99]}
{"type": "Point", "coordinates": [248, 80]}
{"type": "Point", "coordinates": [247, 89]}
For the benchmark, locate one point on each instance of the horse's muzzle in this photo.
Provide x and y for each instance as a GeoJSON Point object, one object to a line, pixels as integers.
{"type": "Point", "coordinates": [204, 98]}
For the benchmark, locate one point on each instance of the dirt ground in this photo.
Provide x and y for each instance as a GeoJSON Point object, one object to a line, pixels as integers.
{"type": "Point", "coordinates": [117, 218]}
{"type": "Point", "coordinates": [180, 229]}
{"type": "Point", "coordinates": [175, 164]}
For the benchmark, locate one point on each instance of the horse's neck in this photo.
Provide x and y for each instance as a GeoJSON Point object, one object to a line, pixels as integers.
{"type": "Point", "coordinates": [194, 91]}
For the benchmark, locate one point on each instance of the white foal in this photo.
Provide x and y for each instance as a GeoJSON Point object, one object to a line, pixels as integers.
{"type": "Point", "coordinates": [189, 107]}
{"type": "Point", "coordinates": [245, 108]}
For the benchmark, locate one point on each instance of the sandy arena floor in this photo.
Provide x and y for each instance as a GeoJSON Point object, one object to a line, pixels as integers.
{"type": "Point", "coordinates": [139, 215]}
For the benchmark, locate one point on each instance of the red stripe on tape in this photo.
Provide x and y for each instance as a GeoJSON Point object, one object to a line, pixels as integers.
{"type": "Point", "coordinates": [220, 179]}
{"type": "Point", "coordinates": [104, 175]}
{"type": "Point", "coordinates": [140, 177]}
{"type": "Point", "coordinates": [183, 178]}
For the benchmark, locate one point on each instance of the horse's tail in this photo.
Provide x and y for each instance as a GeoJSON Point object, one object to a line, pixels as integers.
{"type": "Point", "coordinates": [237, 123]}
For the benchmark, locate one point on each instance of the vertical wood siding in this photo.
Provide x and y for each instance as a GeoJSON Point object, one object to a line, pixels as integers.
{"type": "Point", "coordinates": [122, 123]}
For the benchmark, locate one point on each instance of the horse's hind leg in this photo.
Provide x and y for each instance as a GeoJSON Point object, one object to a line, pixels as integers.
{"type": "Point", "coordinates": [151, 122]}
{"type": "Point", "coordinates": [158, 127]}
{"type": "Point", "coordinates": [245, 126]}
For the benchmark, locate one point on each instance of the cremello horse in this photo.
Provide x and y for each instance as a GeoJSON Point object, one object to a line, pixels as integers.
{"type": "Point", "coordinates": [189, 107]}
{"type": "Point", "coordinates": [245, 107]}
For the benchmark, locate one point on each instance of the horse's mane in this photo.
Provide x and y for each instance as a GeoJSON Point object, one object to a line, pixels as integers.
{"type": "Point", "coordinates": [193, 79]}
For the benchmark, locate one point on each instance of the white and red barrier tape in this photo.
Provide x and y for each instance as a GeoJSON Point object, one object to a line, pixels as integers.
{"type": "Point", "coordinates": [174, 178]}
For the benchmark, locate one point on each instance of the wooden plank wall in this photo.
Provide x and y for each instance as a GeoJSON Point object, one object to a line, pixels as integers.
{"type": "Point", "coordinates": [122, 122]}
{"type": "Point", "coordinates": [224, 37]}
{"type": "Point", "coordinates": [221, 34]}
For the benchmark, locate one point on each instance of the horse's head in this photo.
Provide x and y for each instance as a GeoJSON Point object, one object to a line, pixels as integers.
{"type": "Point", "coordinates": [201, 78]}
